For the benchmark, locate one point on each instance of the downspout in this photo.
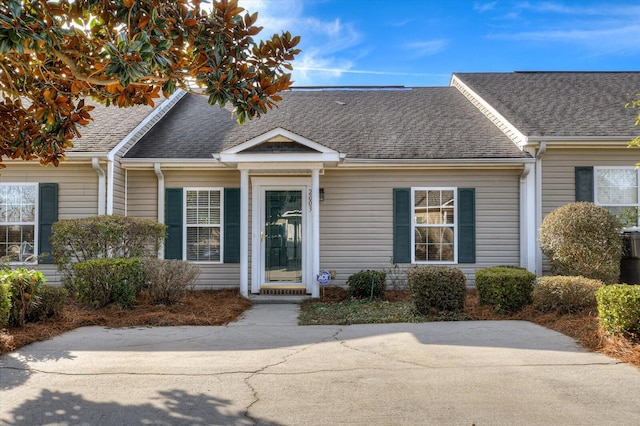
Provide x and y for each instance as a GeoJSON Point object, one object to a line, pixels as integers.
{"type": "Point", "coordinates": [160, 176]}
{"type": "Point", "coordinates": [527, 220]}
{"type": "Point", "coordinates": [102, 182]}
{"type": "Point", "coordinates": [542, 149]}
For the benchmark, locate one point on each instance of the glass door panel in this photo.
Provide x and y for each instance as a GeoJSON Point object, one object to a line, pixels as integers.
{"type": "Point", "coordinates": [283, 237]}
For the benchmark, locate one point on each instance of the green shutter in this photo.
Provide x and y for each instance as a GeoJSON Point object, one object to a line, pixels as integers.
{"type": "Point", "coordinates": [584, 184]}
{"type": "Point", "coordinates": [47, 216]}
{"type": "Point", "coordinates": [231, 225]}
{"type": "Point", "coordinates": [402, 225]}
{"type": "Point", "coordinates": [466, 225]}
{"type": "Point", "coordinates": [173, 220]}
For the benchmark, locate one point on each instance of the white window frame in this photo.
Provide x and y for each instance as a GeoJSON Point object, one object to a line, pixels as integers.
{"type": "Point", "coordinates": [34, 223]}
{"type": "Point", "coordinates": [596, 190]}
{"type": "Point", "coordinates": [185, 226]}
{"type": "Point", "coordinates": [454, 225]}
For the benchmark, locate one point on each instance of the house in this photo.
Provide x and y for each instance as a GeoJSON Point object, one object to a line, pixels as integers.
{"type": "Point", "coordinates": [346, 179]}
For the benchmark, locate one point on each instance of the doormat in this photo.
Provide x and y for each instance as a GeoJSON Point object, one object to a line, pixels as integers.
{"type": "Point", "coordinates": [283, 291]}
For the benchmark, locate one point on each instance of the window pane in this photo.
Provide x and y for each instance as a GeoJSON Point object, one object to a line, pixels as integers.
{"type": "Point", "coordinates": [420, 204]}
{"type": "Point", "coordinates": [16, 242]}
{"type": "Point", "coordinates": [203, 207]}
{"type": "Point", "coordinates": [617, 186]}
{"type": "Point", "coordinates": [203, 244]}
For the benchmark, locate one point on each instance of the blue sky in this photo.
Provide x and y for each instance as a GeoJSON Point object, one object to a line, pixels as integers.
{"type": "Point", "coordinates": [422, 42]}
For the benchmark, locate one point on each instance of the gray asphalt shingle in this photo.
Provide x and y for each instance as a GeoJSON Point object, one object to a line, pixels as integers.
{"type": "Point", "coordinates": [561, 103]}
{"type": "Point", "coordinates": [412, 123]}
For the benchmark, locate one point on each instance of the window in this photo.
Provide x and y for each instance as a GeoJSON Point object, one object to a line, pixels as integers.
{"type": "Point", "coordinates": [203, 224]}
{"type": "Point", "coordinates": [434, 225]}
{"type": "Point", "coordinates": [18, 221]}
{"type": "Point", "coordinates": [616, 188]}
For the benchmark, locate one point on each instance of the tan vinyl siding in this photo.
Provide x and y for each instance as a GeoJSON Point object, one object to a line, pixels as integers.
{"type": "Point", "coordinates": [558, 174]}
{"type": "Point", "coordinates": [356, 218]}
{"type": "Point", "coordinates": [142, 194]}
{"type": "Point", "coordinates": [558, 171]}
{"type": "Point", "coordinates": [142, 202]}
{"type": "Point", "coordinates": [77, 192]}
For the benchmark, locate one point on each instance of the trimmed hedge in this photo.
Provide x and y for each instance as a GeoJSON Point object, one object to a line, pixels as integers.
{"type": "Point", "coordinates": [166, 281]}
{"type": "Point", "coordinates": [99, 282]}
{"type": "Point", "coordinates": [437, 289]}
{"type": "Point", "coordinates": [367, 284]}
{"type": "Point", "coordinates": [507, 288]}
{"type": "Point", "coordinates": [5, 303]}
{"type": "Point", "coordinates": [50, 303]}
{"type": "Point", "coordinates": [566, 295]}
{"type": "Point", "coordinates": [106, 236]}
{"type": "Point", "coordinates": [24, 286]}
{"type": "Point", "coordinates": [619, 309]}
{"type": "Point", "coordinates": [583, 239]}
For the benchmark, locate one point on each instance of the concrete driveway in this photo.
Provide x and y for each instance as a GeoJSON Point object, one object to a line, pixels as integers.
{"type": "Point", "coordinates": [267, 370]}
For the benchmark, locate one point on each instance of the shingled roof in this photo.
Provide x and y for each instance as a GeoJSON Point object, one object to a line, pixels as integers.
{"type": "Point", "coordinates": [400, 123]}
{"type": "Point", "coordinates": [561, 104]}
{"type": "Point", "coordinates": [109, 127]}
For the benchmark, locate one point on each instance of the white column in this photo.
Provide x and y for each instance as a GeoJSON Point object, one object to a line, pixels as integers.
{"type": "Point", "coordinates": [102, 185]}
{"type": "Point", "coordinates": [244, 233]}
{"type": "Point", "coordinates": [161, 203]}
{"type": "Point", "coordinates": [315, 220]}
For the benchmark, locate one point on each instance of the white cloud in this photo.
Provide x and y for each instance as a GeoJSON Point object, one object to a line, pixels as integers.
{"type": "Point", "coordinates": [484, 7]}
{"type": "Point", "coordinates": [427, 47]}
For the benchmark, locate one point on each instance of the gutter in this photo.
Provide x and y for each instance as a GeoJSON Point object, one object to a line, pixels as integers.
{"type": "Point", "coordinates": [95, 163]}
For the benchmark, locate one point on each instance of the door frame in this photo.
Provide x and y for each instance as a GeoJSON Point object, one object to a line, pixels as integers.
{"type": "Point", "coordinates": [259, 185]}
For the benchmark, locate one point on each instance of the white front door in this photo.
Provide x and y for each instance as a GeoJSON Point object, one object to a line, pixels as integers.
{"type": "Point", "coordinates": [281, 233]}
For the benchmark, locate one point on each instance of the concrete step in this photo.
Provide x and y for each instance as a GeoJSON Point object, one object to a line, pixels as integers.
{"type": "Point", "coordinates": [261, 299]}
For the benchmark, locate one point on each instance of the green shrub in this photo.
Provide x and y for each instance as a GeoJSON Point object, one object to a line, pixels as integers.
{"type": "Point", "coordinates": [508, 289]}
{"type": "Point", "coordinates": [50, 303]}
{"type": "Point", "coordinates": [619, 309]}
{"type": "Point", "coordinates": [367, 284]}
{"type": "Point", "coordinates": [166, 281]}
{"type": "Point", "coordinates": [110, 236]}
{"type": "Point", "coordinates": [5, 303]}
{"type": "Point", "coordinates": [23, 288]}
{"type": "Point", "coordinates": [437, 288]}
{"type": "Point", "coordinates": [583, 239]}
{"type": "Point", "coordinates": [566, 295]}
{"type": "Point", "coordinates": [99, 282]}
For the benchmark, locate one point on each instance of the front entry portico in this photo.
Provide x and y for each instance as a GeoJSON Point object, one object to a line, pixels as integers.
{"type": "Point", "coordinates": [280, 210]}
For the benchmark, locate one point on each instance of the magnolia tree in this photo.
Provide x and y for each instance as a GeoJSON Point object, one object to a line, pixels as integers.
{"type": "Point", "coordinates": [56, 54]}
{"type": "Point", "coordinates": [635, 103]}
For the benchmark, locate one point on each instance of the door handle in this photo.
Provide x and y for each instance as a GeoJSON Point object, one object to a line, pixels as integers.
{"type": "Point", "coordinates": [261, 236]}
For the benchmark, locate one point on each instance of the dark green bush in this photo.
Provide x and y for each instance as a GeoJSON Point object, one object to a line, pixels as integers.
{"type": "Point", "coordinates": [50, 302]}
{"type": "Point", "coordinates": [166, 281]}
{"type": "Point", "coordinates": [367, 284]}
{"type": "Point", "coordinates": [619, 309]}
{"type": "Point", "coordinates": [99, 282]}
{"type": "Point", "coordinates": [23, 288]}
{"type": "Point", "coordinates": [111, 236]}
{"type": "Point", "coordinates": [437, 289]}
{"type": "Point", "coordinates": [583, 239]}
{"type": "Point", "coordinates": [566, 295]}
{"type": "Point", "coordinates": [5, 303]}
{"type": "Point", "coordinates": [508, 289]}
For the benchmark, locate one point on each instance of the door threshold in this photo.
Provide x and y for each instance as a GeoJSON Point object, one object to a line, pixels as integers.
{"type": "Point", "coordinates": [283, 290]}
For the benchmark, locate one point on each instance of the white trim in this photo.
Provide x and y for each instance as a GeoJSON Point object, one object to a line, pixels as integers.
{"type": "Point", "coordinates": [244, 233]}
{"type": "Point", "coordinates": [542, 149]}
{"type": "Point", "coordinates": [102, 185]}
{"type": "Point", "coordinates": [220, 226]}
{"type": "Point", "coordinates": [518, 138]}
{"type": "Point", "coordinates": [35, 223]}
{"type": "Point", "coordinates": [331, 157]}
{"type": "Point", "coordinates": [278, 131]}
{"type": "Point", "coordinates": [455, 226]}
{"type": "Point", "coordinates": [528, 218]}
{"type": "Point", "coordinates": [166, 106]}
{"type": "Point", "coordinates": [110, 185]}
{"type": "Point", "coordinates": [315, 242]}
{"type": "Point", "coordinates": [161, 201]}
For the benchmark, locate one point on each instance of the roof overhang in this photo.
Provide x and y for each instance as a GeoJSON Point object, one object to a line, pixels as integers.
{"type": "Point", "coordinates": [580, 141]}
